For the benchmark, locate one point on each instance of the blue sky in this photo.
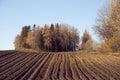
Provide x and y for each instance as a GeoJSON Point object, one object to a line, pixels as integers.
{"type": "Point", "coordinates": [17, 13]}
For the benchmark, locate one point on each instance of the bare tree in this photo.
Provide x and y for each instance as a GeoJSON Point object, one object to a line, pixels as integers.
{"type": "Point", "coordinates": [108, 25]}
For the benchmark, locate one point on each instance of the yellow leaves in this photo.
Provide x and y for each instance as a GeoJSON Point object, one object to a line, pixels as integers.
{"type": "Point", "coordinates": [109, 43]}
{"type": "Point", "coordinates": [87, 41]}
{"type": "Point", "coordinates": [109, 28]}
{"type": "Point", "coordinates": [88, 45]}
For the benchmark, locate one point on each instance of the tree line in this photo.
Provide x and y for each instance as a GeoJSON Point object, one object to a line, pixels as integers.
{"type": "Point", "coordinates": [55, 38]}
{"type": "Point", "coordinates": [62, 37]}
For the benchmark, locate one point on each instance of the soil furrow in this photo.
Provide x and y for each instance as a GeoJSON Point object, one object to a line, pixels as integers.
{"type": "Point", "coordinates": [38, 68]}
{"type": "Point", "coordinates": [31, 70]}
{"type": "Point", "coordinates": [73, 68]}
{"type": "Point", "coordinates": [69, 74]}
{"type": "Point", "coordinates": [62, 68]}
{"type": "Point", "coordinates": [50, 69]}
{"type": "Point", "coordinates": [43, 69]}
{"type": "Point", "coordinates": [23, 68]}
{"type": "Point", "coordinates": [10, 67]}
{"type": "Point", "coordinates": [18, 65]}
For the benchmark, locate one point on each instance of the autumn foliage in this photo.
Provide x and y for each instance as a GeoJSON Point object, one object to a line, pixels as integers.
{"type": "Point", "coordinates": [108, 26]}
{"type": "Point", "coordinates": [87, 43]}
{"type": "Point", "coordinates": [58, 37]}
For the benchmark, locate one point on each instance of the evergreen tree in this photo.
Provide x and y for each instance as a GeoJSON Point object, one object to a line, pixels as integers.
{"type": "Point", "coordinates": [24, 35]}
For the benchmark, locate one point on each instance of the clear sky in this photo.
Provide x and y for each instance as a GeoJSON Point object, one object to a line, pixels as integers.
{"type": "Point", "coordinates": [17, 13]}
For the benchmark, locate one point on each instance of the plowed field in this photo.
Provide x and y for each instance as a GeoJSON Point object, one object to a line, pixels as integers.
{"type": "Point", "coordinates": [16, 65]}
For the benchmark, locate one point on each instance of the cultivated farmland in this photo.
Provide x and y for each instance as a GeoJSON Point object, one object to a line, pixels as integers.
{"type": "Point", "coordinates": [16, 65]}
